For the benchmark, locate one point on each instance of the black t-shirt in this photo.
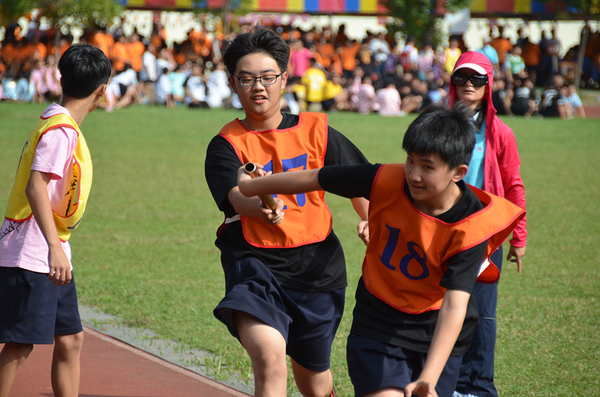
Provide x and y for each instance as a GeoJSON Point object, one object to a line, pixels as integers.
{"type": "Point", "coordinates": [550, 101]}
{"type": "Point", "coordinates": [377, 320]}
{"type": "Point", "coordinates": [317, 267]}
{"type": "Point", "coordinates": [520, 103]}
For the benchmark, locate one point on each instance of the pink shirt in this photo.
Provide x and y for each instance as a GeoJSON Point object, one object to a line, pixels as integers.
{"type": "Point", "coordinates": [37, 78]}
{"type": "Point", "coordinates": [301, 61]}
{"type": "Point", "coordinates": [389, 101]}
{"type": "Point", "coordinates": [52, 79]}
{"type": "Point", "coordinates": [22, 244]}
{"type": "Point", "coordinates": [365, 98]}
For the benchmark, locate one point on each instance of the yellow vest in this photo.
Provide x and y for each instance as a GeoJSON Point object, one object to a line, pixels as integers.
{"type": "Point", "coordinates": [307, 217]}
{"type": "Point", "coordinates": [67, 213]}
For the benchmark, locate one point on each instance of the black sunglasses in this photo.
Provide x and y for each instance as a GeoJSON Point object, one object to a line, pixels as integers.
{"type": "Point", "coordinates": [478, 80]}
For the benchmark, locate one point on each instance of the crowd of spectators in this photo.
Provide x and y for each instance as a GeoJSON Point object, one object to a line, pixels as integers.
{"type": "Point", "coordinates": [328, 71]}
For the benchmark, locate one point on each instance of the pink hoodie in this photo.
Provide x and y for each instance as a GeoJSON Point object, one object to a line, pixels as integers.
{"type": "Point", "coordinates": [501, 167]}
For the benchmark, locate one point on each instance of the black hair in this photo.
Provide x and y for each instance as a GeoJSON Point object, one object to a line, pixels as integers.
{"type": "Point", "coordinates": [259, 39]}
{"type": "Point", "coordinates": [83, 69]}
{"type": "Point", "coordinates": [447, 132]}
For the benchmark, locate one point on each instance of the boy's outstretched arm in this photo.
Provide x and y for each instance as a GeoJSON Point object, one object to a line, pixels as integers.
{"type": "Point", "coordinates": [37, 194]}
{"type": "Point", "coordinates": [253, 207]}
{"type": "Point", "coordinates": [449, 324]}
{"type": "Point", "coordinates": [281, 183]}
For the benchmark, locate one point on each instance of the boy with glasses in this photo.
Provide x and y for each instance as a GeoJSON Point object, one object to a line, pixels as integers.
{"type": "Point", "coordinates": [284, 267]}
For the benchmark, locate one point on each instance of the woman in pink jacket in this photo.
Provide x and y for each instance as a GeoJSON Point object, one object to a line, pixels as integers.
{"type": "Point", "coordinates": [494, 167]}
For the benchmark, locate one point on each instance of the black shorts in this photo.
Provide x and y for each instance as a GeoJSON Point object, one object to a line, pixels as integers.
{"type": "Point", "coordinates": [33, 310]}
{"type": "Point", "coordinates": [308, 321]}
{"type": "Point", "coordinates": [374, 365]}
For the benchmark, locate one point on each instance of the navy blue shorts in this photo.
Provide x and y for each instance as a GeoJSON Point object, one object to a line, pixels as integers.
{"type": "Point", "coordinates": [375, 365]}
{"type": "Point", "coordinates": [33, 310]}
{"type": "Point", "coordinates": [308, 321]}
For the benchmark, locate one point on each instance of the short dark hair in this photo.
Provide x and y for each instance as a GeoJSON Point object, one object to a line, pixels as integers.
{"type": "Point", "coordinates": [447, 132]}
{"type": "Point", "coordinates": [259, 39]}
{"type": "Point", "coordinates": [83, 69]}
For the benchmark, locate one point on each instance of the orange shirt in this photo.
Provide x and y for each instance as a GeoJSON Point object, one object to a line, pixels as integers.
{"type": "Point", "coordinates": [104, 41]}
{"type": "Point", "coordinates": [120, 56]}
{"type": "Point", "coordinates": [348, 56]}
{"type": "Point", "coordinates": [502, 45]}
{"type": "Point", "coordinates": [136, 51]}
{"type": "Point", "coordinates": [21, 54]}
{"type": "Point", "coordinates": [336, 64]}
{"type": "Point", "coordinates": [325, 50]}
{"type": "Point", "coordinates": [8, 53]}
{"type": "Point", "coordinates": [531, 54]}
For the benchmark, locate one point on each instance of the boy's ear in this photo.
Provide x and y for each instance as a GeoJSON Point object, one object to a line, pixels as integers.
{"type": "Point", "coordinates": [100, 91]}
{"type": "Point", "coordinates": [232, 83]}
{"type": "Point", "coordinates": [284, 78]}
{"type": "Point", "coordinates": [460, 172]}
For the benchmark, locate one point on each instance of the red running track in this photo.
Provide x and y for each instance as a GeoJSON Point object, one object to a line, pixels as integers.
{"type": "Point", "coordinates": [111, 368]}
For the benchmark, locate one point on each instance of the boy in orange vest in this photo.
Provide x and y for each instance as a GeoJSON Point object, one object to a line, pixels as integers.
{"type": "Point", "coordinates": [430, 236]}
{"type": "Point", "coordinates": [53, 180]}
{"type": "Point", "coordinates": [285, 278]}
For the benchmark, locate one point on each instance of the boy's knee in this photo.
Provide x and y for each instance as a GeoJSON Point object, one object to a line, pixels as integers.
{"type": "Point", "coordinates": [313, 384]}
{"type": "Point", "coordinates": [68, 344]}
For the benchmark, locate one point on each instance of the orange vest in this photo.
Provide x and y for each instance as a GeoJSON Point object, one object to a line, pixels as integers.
{"type": "Point", "coordinates": [307, 217]}
{"type": "Point", "coordinates": [407, 253]}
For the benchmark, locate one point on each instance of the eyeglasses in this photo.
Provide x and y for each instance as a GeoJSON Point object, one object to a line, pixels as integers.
{"type": "Point", "coordinates": [248, 81]}
{"type": "Point", "coordinates": [478, 80]}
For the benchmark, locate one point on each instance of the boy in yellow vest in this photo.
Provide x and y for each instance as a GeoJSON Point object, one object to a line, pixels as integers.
{"type": "Point", "coordinates": [48, 199]}
{"type": "Point", "coordinates": [285, 276]}
{"type": "Point", "coordinates": [429, 234]}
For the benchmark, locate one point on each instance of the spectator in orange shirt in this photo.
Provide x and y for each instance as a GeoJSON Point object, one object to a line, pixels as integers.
{"type": "Point", "coordinates": [531, 56]}
{"type": "Point", "coordinates": [38, 49]}
{"type": "Point", "coordinates": [502, 45]}
{"type": "Point", "coordinates": [103, 40]}
{"type": "Point", "coordinates": [348, 57]}
{"type": "Point", "coordinates": [135, 49]}
{"type": "Point", "coordinates": [7, 51]}
{"type": "Point", "coordinates": [326, 48]}
{"type": "Point", "coordinates": [120, 55]}
{"type": "Point", "coordinates": [341, 37]}
{"type": "Point", "coordinates": [158, 35]}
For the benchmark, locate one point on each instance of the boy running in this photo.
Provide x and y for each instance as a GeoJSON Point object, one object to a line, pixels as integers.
{"type": "Point", "coordinates": [429, 235]}
{"type": "Point", "coordinates": [284, 269]}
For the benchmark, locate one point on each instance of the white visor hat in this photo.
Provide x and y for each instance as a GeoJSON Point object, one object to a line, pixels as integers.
{"type": "Point", "coordinates": [479, 69]}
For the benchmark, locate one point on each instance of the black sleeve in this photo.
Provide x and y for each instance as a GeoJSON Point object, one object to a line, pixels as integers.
{"type": "Point", "coordinates": [220, 169]}
{"type": "Point", "coordinates": [340, 151]}
{"type": "Point", "coordinates": [463, 269]}
{"type": "Point", "coordinates": [349, 181]}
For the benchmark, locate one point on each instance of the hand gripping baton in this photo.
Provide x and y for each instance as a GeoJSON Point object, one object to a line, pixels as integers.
{"type": "Point", "coordinates": [267, 200]}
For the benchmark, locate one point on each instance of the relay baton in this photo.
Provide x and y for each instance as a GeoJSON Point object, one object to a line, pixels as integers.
{"type": "Point", "coordinates": [267, 200]}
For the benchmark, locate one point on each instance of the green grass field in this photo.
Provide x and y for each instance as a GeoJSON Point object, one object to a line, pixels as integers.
{"type": "Point", "coordinates": [145, 251]}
